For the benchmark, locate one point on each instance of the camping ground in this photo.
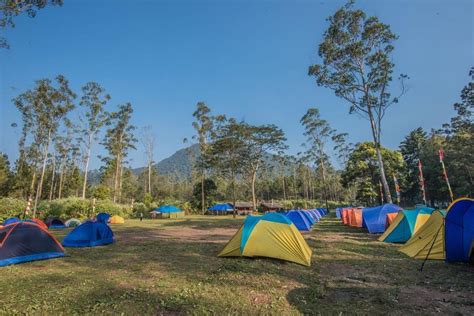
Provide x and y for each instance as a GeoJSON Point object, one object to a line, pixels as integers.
{"type": "Point", "coordinates": [169, 267]}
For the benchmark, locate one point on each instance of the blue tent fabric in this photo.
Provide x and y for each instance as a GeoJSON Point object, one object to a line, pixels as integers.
{"type": "Point", "coordinates": [55, 223]}
{"type": "Point", "coordinates": [89, 234]}
{"type": "Point", "coordinates": [221, 208]}
{"type": "Point", "coordinates": [300, 221]}
{"type": "Point", "coordinates": [251, 222]}
{"type": "Point", "coordinates": [373, 218]}
{"type": "Point", "coordinates": [338, 212]}
{"type": "Point", "coordinates": [168, 209]}
{"type": "Point", "coordinates": [25, 241]}
{"type": "Point", "coordinates": [459, 230]}
{"type": "Point", "coordinates": [316, 214]}
{"type": "Point", "coordinates": [103, 217]}
{"type": "Point", "coordinates": [310, 218]}
{"type": "Point", "coordinates": [11, 220]}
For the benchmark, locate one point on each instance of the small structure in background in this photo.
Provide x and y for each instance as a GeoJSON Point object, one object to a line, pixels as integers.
{"type": "Point", "coordinates": [271, 206]}
{"type": "Point", "coordinates": [243, 208]}
{"type": "Point", "coordinates": [167, 211]}
{"type": "Point", "coordinates": [220, 209]}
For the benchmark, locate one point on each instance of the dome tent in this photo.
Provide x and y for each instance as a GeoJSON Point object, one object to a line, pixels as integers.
{"type": "Point", "coordinates": [11, 220]}
{"type": "Point", "coordinates": [89, 234]}
{"type": "Point", "coordinates": [299, 219]}
{"type": "Point", "coordinates": [271, 235]}
{"type": "Point", "coordinates": [116, 220]}
{"type": "Point", "coordinates": [27, 241]}
{"type": "Point", "coordinates": [73, 222]}
{"type": "Point", "coordinates": [55, 223]}
{"type": "Point", "coordinates": [103, 217]}
{"type": "Point", "coordinates": [38, 222]}
{"type": "Point", "coordinates": [374, 218]}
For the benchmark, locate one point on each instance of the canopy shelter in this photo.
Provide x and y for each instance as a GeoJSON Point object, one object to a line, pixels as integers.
{"type": "Point", "coordinates": [450, 237]}
{"type": "Point", "coordinates": [220, 208]}
{"type": "Point", "coordinates": [169, 211]}
{"type": "Point", "coordinates": [89, 234]}
{"type": "Point", "coordinates": [374, 218]}
{"type": "Point", "coordinates": [299, 219]}
{"type": "Point", "coordinates": [405, 224]}
{"type": "Point", "coordinates": [55, 223]}
{"type": "Point", "coordinates": [272, 235]}
{"type": "Point", "coordinates": [27, 241]}
{"type": "Point", "coordinates": [117, 220]}
{"type": "Point", "coordinates": [271, 206]}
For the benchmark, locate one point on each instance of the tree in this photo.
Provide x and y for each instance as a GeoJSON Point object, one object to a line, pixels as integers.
{"type": "Point", "coordinates": [43, 109]}
{"type": "Point", "coordinates": [203, 125]}
{"type": "Point", "coordinates": [318, 133]}
{"type": "Point", "coordinates": [12, 8]}
{"type": "Point", "coordinates": [356, 64]}
{"type": "Point", "coordinates": [93, 102]}
{"type": "Point", "coordinates": [411, 148]}
{"type": "Point", "coordinates": [260, 140]}
{"type": "Point", "coordinates": [229, 150]}
{"type": "Point", "coordinates": [210, 191]}
{"type": "Point", "coordinates": [6, 176]}
{"type": "Point", "coordinates": [148, 141]}
{"type": "Point", "coordinates": [362, 170]}
{"type": "Point", "coordinates": [119, 139]}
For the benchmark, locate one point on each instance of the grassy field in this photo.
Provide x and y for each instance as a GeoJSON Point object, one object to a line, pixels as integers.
{"type": "Point", "coordinates": [169, 267]}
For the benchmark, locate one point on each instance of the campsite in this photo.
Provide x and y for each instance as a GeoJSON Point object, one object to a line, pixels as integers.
{"type": "Point", "coordinates": [203, 157]}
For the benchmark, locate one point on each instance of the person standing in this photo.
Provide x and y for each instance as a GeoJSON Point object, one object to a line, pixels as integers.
{"type": "Point", "coordinates": [141, 216]}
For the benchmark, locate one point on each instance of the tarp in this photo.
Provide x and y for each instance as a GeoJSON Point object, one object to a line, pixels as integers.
{"type": "Point", "coordinates": [374, 218]}
{"type": "Point", "coordinates": [272, 235]}
{"type": "Point", "coordinates": [299, 219]}
{"type": "Point", "coordinates": [221, 208]}
{"type": "Point", "coordinates": [27, 241]}
{"type": "Point", "coordinates": [168, 209]}
{"type": "Point", "coordinates": [459, 230]}
{"type": "Point", "coordinates": [89, 234]}
{"type": "Point", "coordinates": [117, 220]}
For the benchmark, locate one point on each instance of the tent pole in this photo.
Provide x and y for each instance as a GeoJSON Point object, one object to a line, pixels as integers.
{"type": "Point", "coordinates": [431, 248]}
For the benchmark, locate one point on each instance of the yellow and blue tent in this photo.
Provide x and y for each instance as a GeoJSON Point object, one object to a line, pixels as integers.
{"type": "Point", "coordinates": [449, 237]}
{"type": "Point", "coordinates": [406, 223]}
{"type": "Point", "coordinates": [272, 235]}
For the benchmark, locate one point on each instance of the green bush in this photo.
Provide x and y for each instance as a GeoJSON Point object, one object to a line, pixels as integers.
{"type": "Point", "coordinates": [10, 207]}
{"type": "Point", "coordinates": [78, 208]}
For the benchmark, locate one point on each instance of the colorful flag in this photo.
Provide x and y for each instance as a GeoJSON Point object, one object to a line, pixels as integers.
{"type": "Point", "coordinates": [422, 181]}
{"type": "Point", "coordinates": [397, 188]}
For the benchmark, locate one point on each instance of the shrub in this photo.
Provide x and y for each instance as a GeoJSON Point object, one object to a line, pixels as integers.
{"type": "Point", "coordinates": [10, 207]}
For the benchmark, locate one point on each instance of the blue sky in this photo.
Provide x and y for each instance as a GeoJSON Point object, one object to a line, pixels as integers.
{"type": "Point", "coordinates": [246, 59]}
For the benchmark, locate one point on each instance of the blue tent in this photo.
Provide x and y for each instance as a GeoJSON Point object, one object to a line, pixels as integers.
{"type": "Point", "coordinates": [11, 220]}
{"type": "Point", "coordinates": [309, 217]}
{"type": "Point", "coordinates": [26, 241]}
{"type": "Point", "coordinates": [374, 218]}
{"type": "Point", "coordinates": [459, 230]}
{"type": "Point", "coordinates": [221, 208]}
{"type": "Point", "coordinates": [103, 217]}
{"type": "Point", "coordinates": [55, 223]}
{"type": "Point", "coordinates": [89, 234]}
{"type": "Point", "coordinates": [325, 211]}
{"type": "Point", "coordinates": [315, 215]}
{"type": "Point", "coordinates": [338, 212]}
{"type": "Point", "coordinates": [300, 220]}
{"type": "Point", "coordinates": [168, 209]}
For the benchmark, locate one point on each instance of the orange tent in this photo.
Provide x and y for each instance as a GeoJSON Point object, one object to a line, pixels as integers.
{"type": "Point", "coordinates": [345, 215]}
{"type": "Point", "coordinates": [390, 218]}
{"type": "Point", "coordinates": [356, 217]}
{"type": "Point", "coordinates": [40, 223]}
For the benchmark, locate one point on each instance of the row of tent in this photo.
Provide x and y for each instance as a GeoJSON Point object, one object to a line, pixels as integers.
{"type": "Point", "coordinates": [30, 240]}
{"type": "Point", "coordinates": [425, 232]}
{"type": "Point", "coordinates": [57, 223]}
{"type": "Point", "coordinates": [274, 235]}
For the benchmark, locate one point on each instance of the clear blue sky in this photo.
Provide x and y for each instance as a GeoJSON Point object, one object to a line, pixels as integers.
{"type": "Point", "coordinates": [246, 59]}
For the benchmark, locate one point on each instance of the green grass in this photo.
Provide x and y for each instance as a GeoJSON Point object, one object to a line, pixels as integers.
{"type": "Point", "coordinates": [169, 267]}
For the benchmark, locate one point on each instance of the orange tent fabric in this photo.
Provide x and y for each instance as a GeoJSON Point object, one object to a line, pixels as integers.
{"type": "Point", "coordinates": [345, 216]}
{"type": "Point", "coordinates": [40, 223]}
{"type": "Point", "coordinates": [356, 217]}
{"type": "Point", "coordinates": [390, 218]}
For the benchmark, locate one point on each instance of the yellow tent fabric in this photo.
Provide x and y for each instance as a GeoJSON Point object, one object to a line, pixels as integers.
{"type": "Point", "coordinates": [421, 220]}
{"type": "Point", "coordinates": [396, 221]}
{"type": "Point", "coordinates": [429, 239]}
{"type": "Point", "coordinates": [273, 236]}
{"type": "Point", "coordinates": [116, 220]}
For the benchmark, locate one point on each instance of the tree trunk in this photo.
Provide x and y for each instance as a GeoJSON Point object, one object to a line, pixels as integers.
{"type": "Point", "coordinates": [117, 175]}
{"type": "Point", "coordinates": [284, 188]}
{"type": "Point", "coordinates": [149, 177]}
{"type": "Point", "coordinates": [86, 168]}
{"type": "Point", "coordinates": [61, 178]}
{"type": "Point", "coordinates": [376, 137]}
{"type": "Point", "coordinates": [254, 198]}
{"type": "Point", "coordinates": [234, 199]}
{"type": "Point", "coordinates": [203, 193]}
{"type": "Point", "coordinates": [51, 187]}
{"type": "Point", "coordinates": [40, 184]}
{"type": "Point", "coordinates": [120, 185]}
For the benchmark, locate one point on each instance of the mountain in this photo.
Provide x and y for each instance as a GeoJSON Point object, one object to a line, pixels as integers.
{"type": "Point", "coordinates": [180, 163]}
